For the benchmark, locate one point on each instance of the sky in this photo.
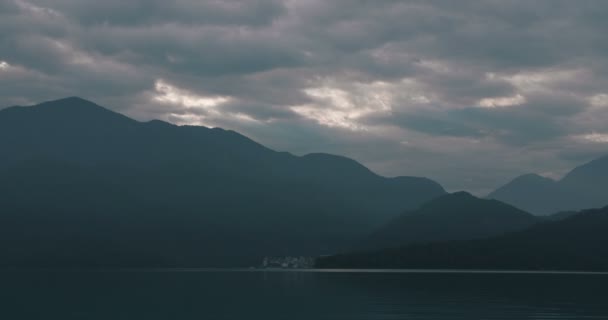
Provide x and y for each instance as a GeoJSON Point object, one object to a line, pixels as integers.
{"type": "Point", "coordinates": [468, 93]}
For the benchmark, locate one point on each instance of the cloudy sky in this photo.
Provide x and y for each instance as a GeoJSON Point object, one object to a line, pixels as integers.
{"type": "Point", "coordinates": [469, 93]}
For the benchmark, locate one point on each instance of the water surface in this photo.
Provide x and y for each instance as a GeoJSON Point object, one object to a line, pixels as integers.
{"type": "Point", "coordinates": [190, 294]}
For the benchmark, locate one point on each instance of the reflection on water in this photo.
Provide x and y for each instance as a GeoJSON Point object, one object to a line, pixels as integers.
{"type": "Point", "coordinates": [300, 295]}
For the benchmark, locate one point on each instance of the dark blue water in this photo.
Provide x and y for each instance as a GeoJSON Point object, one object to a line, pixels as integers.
{"type": "Point", "coordinates": [300, 295]}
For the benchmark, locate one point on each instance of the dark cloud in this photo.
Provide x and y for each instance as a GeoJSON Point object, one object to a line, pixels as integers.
{"type": "Point", "coordinates": [153, 12]}
{"type": "Point", "coordinates": [470, 93]}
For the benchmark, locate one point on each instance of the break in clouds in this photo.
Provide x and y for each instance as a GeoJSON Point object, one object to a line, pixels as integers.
{"type": "Point", "coordinates": [469, 93]}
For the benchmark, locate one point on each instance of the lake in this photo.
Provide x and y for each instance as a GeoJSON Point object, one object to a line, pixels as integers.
{"type": "Point", "coordinates": [208, 294]}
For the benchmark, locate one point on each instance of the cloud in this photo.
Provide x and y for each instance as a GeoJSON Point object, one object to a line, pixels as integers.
{"type": "Point", "coordinates": [470, 93]}
{"type": "Point", "coordinates": [154, 12]}
{"type": "Point", "coordinates": [499, 102]}
{"type": "Point", "coordinates": [595, 137]}
{"type": "Point", "coordinates": [169, 94]}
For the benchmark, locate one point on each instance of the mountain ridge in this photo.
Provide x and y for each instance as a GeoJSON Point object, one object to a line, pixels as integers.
{"type": "Point", "coordinates": [585, 186]}
{"type": "Point", "coordinates": [456, 216]}
{"type": "Point", "coordinates": [189, 186]}
{"type": "Point", "coordinates": [575, 243]}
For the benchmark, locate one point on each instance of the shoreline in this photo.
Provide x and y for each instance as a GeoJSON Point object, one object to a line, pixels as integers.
{"type": "Point", "coordinates": [280, 270]}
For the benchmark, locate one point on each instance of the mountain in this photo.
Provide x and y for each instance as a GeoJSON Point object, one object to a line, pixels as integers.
{"type": "Point", "coordinates": [576, 243]}
{"type": "Point", "coordinates": [457, 216]}
{"type": "Point", "coordinates": [584, 187]}
{"type": "Point", "coordinates": [560, 215]}
{"type": "Point", "coordinates": [81, 185]}
{"type": "Point", "coordinates": [590, 182]}
{"type": "Point", "coordinates": [534, 193]}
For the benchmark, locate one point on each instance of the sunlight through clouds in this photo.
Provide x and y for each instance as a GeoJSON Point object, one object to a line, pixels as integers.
{"type": "Point", "coordinates": [502, 101]}
{"type": "Point", "coordinates": [170, 94]}
{"type": "Point", "coordinates": [335, 107]}
{"type": "Point", "coordinates": [599, 101]}
{"type": "Point", "coordinates": [349, 105]}
{"type": "Point", "coordinates": [199, 109]}
{"type": "Point", "coordinates": [596, 137]}
{"type": "Point", "coordinates": [36, 10]}
{"type": "Point", "coordinates": [542, 80]}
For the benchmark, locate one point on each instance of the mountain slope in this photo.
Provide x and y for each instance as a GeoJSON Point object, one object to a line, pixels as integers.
{"type": "Point", "coordinates": [584, 187]}
{"type": "Point", "coordinates": [457, 216]}
{"type": "Point", "coordinates": [574, 243]}
{"type": "Point", "coordinates": [533, 193]}
{"type": "Point", "coordinates": [180, 196]}
{"type": "Point", "coordinates": [590, 182]}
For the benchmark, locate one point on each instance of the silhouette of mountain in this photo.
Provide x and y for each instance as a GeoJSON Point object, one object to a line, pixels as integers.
{"type": "Point", "coordinates": [457, 216]}
{"type": "Point", "coordinates": [584, 187]}
{"type": "Point", "coordinates": [576, 243]}
{"type": "Point", "coordinates": [532, 192]}
{"type": "Point", "coordinates": [87, 186]}
{"type": "Point", "coordinates": [590, 183]}
{"type": "Point", "coordinates": [560, 215]}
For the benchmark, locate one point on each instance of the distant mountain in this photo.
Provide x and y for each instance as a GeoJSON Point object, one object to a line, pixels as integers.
{"type": "Point", "coordinates": [584, 187]}
{"type": "Point", "coordinates": [82, 185]}
{"type": "Point", "coordinates": [576, 243]}
{"type": "Point", "coordinates": [534, 193]}
{"type": "Point", "coordinates": [560, 215]}
{"type": "Point", "coordinates": [590, 183]}
{"type": "Point", "coordinates": [457, 216]}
